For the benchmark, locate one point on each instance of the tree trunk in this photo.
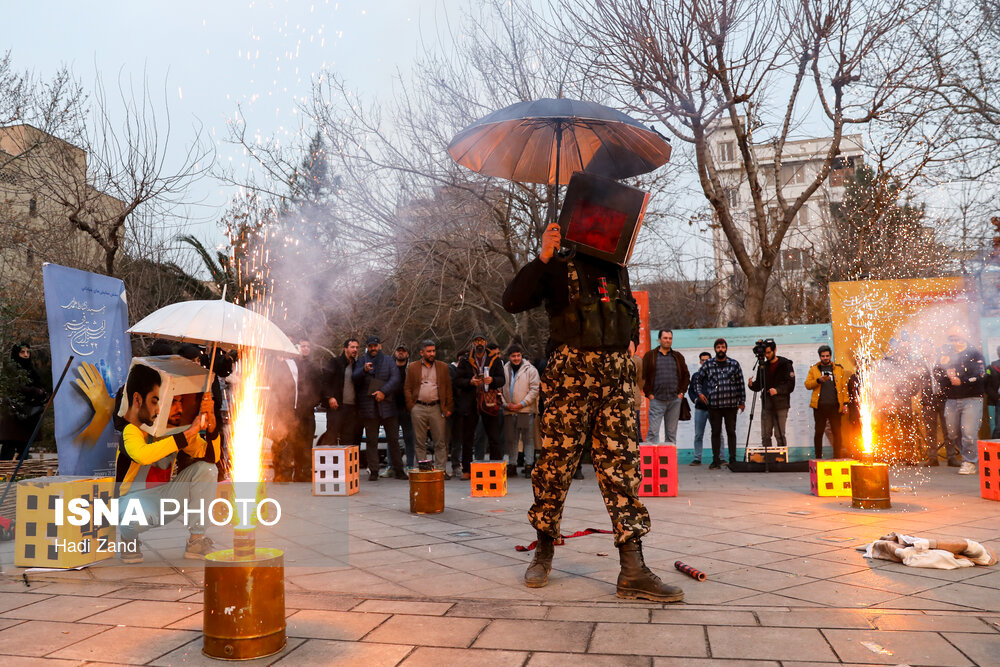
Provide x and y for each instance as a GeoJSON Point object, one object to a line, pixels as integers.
{"type": "Point", "coordinates": [753, 313]}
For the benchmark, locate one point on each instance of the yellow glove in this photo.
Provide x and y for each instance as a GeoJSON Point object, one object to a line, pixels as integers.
{"type": "Point", "coordinates": [92, 385]}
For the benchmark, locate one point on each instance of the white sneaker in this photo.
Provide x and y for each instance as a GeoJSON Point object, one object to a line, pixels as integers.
{"type": "Point", "coordinates": [967, 468]}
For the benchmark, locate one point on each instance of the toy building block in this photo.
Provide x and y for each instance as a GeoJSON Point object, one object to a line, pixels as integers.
{"type": "Point", "coordinates": [489, 478]}
{"type": "Point", "coordinates": [658, 464]}
{"type": "Point", "coordinates": [335, 471]}
{"type": "Point", "coordinates": [989, 469]}
{"type": "Point", "coordinates": [41, 542]}
{"type": "Point", "coordinates": [830, 477]}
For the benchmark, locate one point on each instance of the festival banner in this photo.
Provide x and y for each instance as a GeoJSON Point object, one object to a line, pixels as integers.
{"type": "Point", "coordinates": [87, 317]}
{"type": "Point", "coordinates": [869, 313]}
{"type": "Point", "coordinates": [798, 342]}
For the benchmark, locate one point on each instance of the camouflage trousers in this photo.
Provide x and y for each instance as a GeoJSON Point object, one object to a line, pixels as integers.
{"type": "Point", "coordinates": [588, 394]}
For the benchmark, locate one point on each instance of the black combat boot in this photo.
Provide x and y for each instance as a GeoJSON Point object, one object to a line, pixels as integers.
{"type": "Point", "coordinates": [537, 574]}
{"type": "Point", "coordinates": [636, 581]}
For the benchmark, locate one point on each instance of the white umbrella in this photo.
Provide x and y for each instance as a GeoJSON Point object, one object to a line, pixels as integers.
{"type": "Point", "coordinates": [214, 321]}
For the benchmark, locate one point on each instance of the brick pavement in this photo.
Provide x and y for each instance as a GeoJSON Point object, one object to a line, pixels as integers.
{"type": "Point", "coordinates": [785, 587]}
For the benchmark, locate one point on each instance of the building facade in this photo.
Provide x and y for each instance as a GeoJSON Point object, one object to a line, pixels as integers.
{"type": "Point", "coordinates": [809, 234]}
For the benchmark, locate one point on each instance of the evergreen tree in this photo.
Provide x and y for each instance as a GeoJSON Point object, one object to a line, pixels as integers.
{"type": "Point", "coordinates": [879, 233]}
{"type": "Point", "coordinates": [305, 253]}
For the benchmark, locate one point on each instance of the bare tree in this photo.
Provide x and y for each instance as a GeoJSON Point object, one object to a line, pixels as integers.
{"type": "Point", "coordinates": [120, 173]}
{"type": "Point", "coordinates": [88, 183]}
{"type": "Point", "coordinates": [431, 244]}
{"type": "Point", "coordinates": [760, 69]}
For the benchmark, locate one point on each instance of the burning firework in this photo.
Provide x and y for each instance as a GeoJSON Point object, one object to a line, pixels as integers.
{"type": "Point", "coordinates": [244, 586]}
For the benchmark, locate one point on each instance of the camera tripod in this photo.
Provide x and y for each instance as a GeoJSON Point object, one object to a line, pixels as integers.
{"type": "Point", "coordinates": [760, 372]}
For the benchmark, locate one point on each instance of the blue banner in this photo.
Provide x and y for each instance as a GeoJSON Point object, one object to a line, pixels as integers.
{"type": "Point", "coordinates": [87, 316]}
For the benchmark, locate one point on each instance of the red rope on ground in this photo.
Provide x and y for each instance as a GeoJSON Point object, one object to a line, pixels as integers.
{"type": "Point", "coordinates": [579, 533]}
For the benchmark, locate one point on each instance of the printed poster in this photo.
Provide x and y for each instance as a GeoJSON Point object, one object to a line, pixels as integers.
{"type": "Point", "coordinates": [87, 317]}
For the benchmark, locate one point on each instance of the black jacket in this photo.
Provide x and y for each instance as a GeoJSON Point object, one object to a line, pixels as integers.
{"type": "Point", "coordinates": [465, 391]}
{"type": "Point", "coordinates": [991, 383]}
{"type": "Point", "coordinates": [333, 379]}
{"type": "Point", "coordinates": [400, 396]}
{"type": "Point", "coordinates": [970, 369]}
{"type": "Point", "coordinates": [780, 376]}
{"type": "Point", "coordinates": [547, 283]}
{"type": "Point", "coordinates": [308, 386]}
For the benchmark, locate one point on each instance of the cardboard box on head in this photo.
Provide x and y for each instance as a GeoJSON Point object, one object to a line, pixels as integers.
{"type": "Point", "coordinates": [601, 217]}
{"type": "Point", "coordinates": [179, 377]}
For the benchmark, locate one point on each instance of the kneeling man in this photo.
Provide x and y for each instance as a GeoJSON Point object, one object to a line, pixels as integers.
{"type": "Point", "coordinates": [144, 467]}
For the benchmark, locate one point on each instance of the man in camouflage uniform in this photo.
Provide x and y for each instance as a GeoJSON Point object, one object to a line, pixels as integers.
{"type": "Point", "coordinates": [588, 387]}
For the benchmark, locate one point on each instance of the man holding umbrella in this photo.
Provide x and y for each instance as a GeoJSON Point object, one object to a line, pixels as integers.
{"type": "Point", "coordinates": [588, 387]}
{"type": "Point", "coordinates": [588, 383]}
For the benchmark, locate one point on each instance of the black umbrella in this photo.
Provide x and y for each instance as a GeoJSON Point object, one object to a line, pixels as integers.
{"type": "Point", "coordinates": [546, 140]}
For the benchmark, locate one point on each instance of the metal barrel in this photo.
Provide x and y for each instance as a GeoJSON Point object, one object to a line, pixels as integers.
{"type": "Point", "coordinates": [870, 486]}
{"type": "Point", "coordinates": [244, 616]}
{"type": "Point", "coordinates": [426, 491]}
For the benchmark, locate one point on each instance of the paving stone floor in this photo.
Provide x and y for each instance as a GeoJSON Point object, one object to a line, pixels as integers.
{"type": "Point", "coordinates": [785, 584]}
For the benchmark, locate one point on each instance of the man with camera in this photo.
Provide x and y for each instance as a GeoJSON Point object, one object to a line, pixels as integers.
{"type": "Point", "coordinates": [828, 382]}
{"type": "Point", "coordinates": [478, 381]}
{"type": "Point", "coordinates": [588, 386]}
{"type": "Point", "coordinates": [775, 379]}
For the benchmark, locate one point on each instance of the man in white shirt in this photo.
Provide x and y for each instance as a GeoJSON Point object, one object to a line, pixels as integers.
{"type": "Point", "coordinates": [520, 404]}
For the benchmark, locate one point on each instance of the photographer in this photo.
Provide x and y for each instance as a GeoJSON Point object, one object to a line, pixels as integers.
{"type": "Point", "coordinates": [828, 382]}
{"type": "Point", "coordinates": [776, 377]}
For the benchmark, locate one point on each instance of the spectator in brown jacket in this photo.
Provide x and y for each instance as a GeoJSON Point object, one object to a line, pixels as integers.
{"type": "Point", "coordinates": [665, 378]}
{"type": "Point", "coordinates": [429, 400]}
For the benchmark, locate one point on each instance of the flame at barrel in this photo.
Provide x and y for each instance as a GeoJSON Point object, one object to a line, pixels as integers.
{"type": "Point", "coordinates": [247, 435]}
{"type": "Point", "coordinates": [866, 405]}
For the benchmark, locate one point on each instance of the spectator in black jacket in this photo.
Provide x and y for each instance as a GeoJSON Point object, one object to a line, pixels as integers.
{"type": "Point", "coordinates": [960, 371]}
{"type": "Point", "coordinates": [700, 409]}
{"type": "Point", "coordinates": [455, 421]}
{"type": "Point", "coordinates": [479, 373]}
{"type": "Point", "coordinates": [776, 378]}
{"type": "Point", "coordinates": [992, 388]}
{"type": "Point", "coordinates": [338, 394]}
{"type": "Point", "coordinates": [376, 381]}
{"type": "Point", "coordinates": [402, 357]}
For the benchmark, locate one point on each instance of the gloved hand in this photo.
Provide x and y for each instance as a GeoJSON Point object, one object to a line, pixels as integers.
{"type": "Point", "coordinates": [92, 385]}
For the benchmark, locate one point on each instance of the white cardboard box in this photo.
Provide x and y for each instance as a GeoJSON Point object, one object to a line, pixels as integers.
{"type": "Point", "coordinates": [179, 376]}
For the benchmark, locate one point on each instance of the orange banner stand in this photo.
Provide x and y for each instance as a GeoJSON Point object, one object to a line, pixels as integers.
{"type": "Point", "coordinates": [642, 299]}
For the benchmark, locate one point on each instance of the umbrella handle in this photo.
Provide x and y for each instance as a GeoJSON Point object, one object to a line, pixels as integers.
{"type": "Point", "coordinates": [555, 196]}
{"type": "Point", "coordinates": [208, 384]}
{"type": "Point", "coordinates": [566, 254]}
{"type": "Point", "coordinates": [211, 368]}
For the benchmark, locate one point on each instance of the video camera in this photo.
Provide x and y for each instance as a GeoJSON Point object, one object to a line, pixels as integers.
{"type": "Point", "coordinates": [762, 344]}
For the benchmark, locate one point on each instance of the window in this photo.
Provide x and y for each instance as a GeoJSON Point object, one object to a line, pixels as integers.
{"type": "Point", "coordinates": [842, 168]}
{"type": "Point", "coordinates": [33, 207]}
{"type": "Point", "coordinates": [791, 259]}
{"type": "Point", "coordinates": [8, 177]}
{"type": "Point", "coordinates": [733, 197]}
{"type": "Point", "coordinates": [793, 175]}
{"type": "Point", "coordinates": [802, 217]}
{"type": "Point", "coordinates": [726, 153]}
